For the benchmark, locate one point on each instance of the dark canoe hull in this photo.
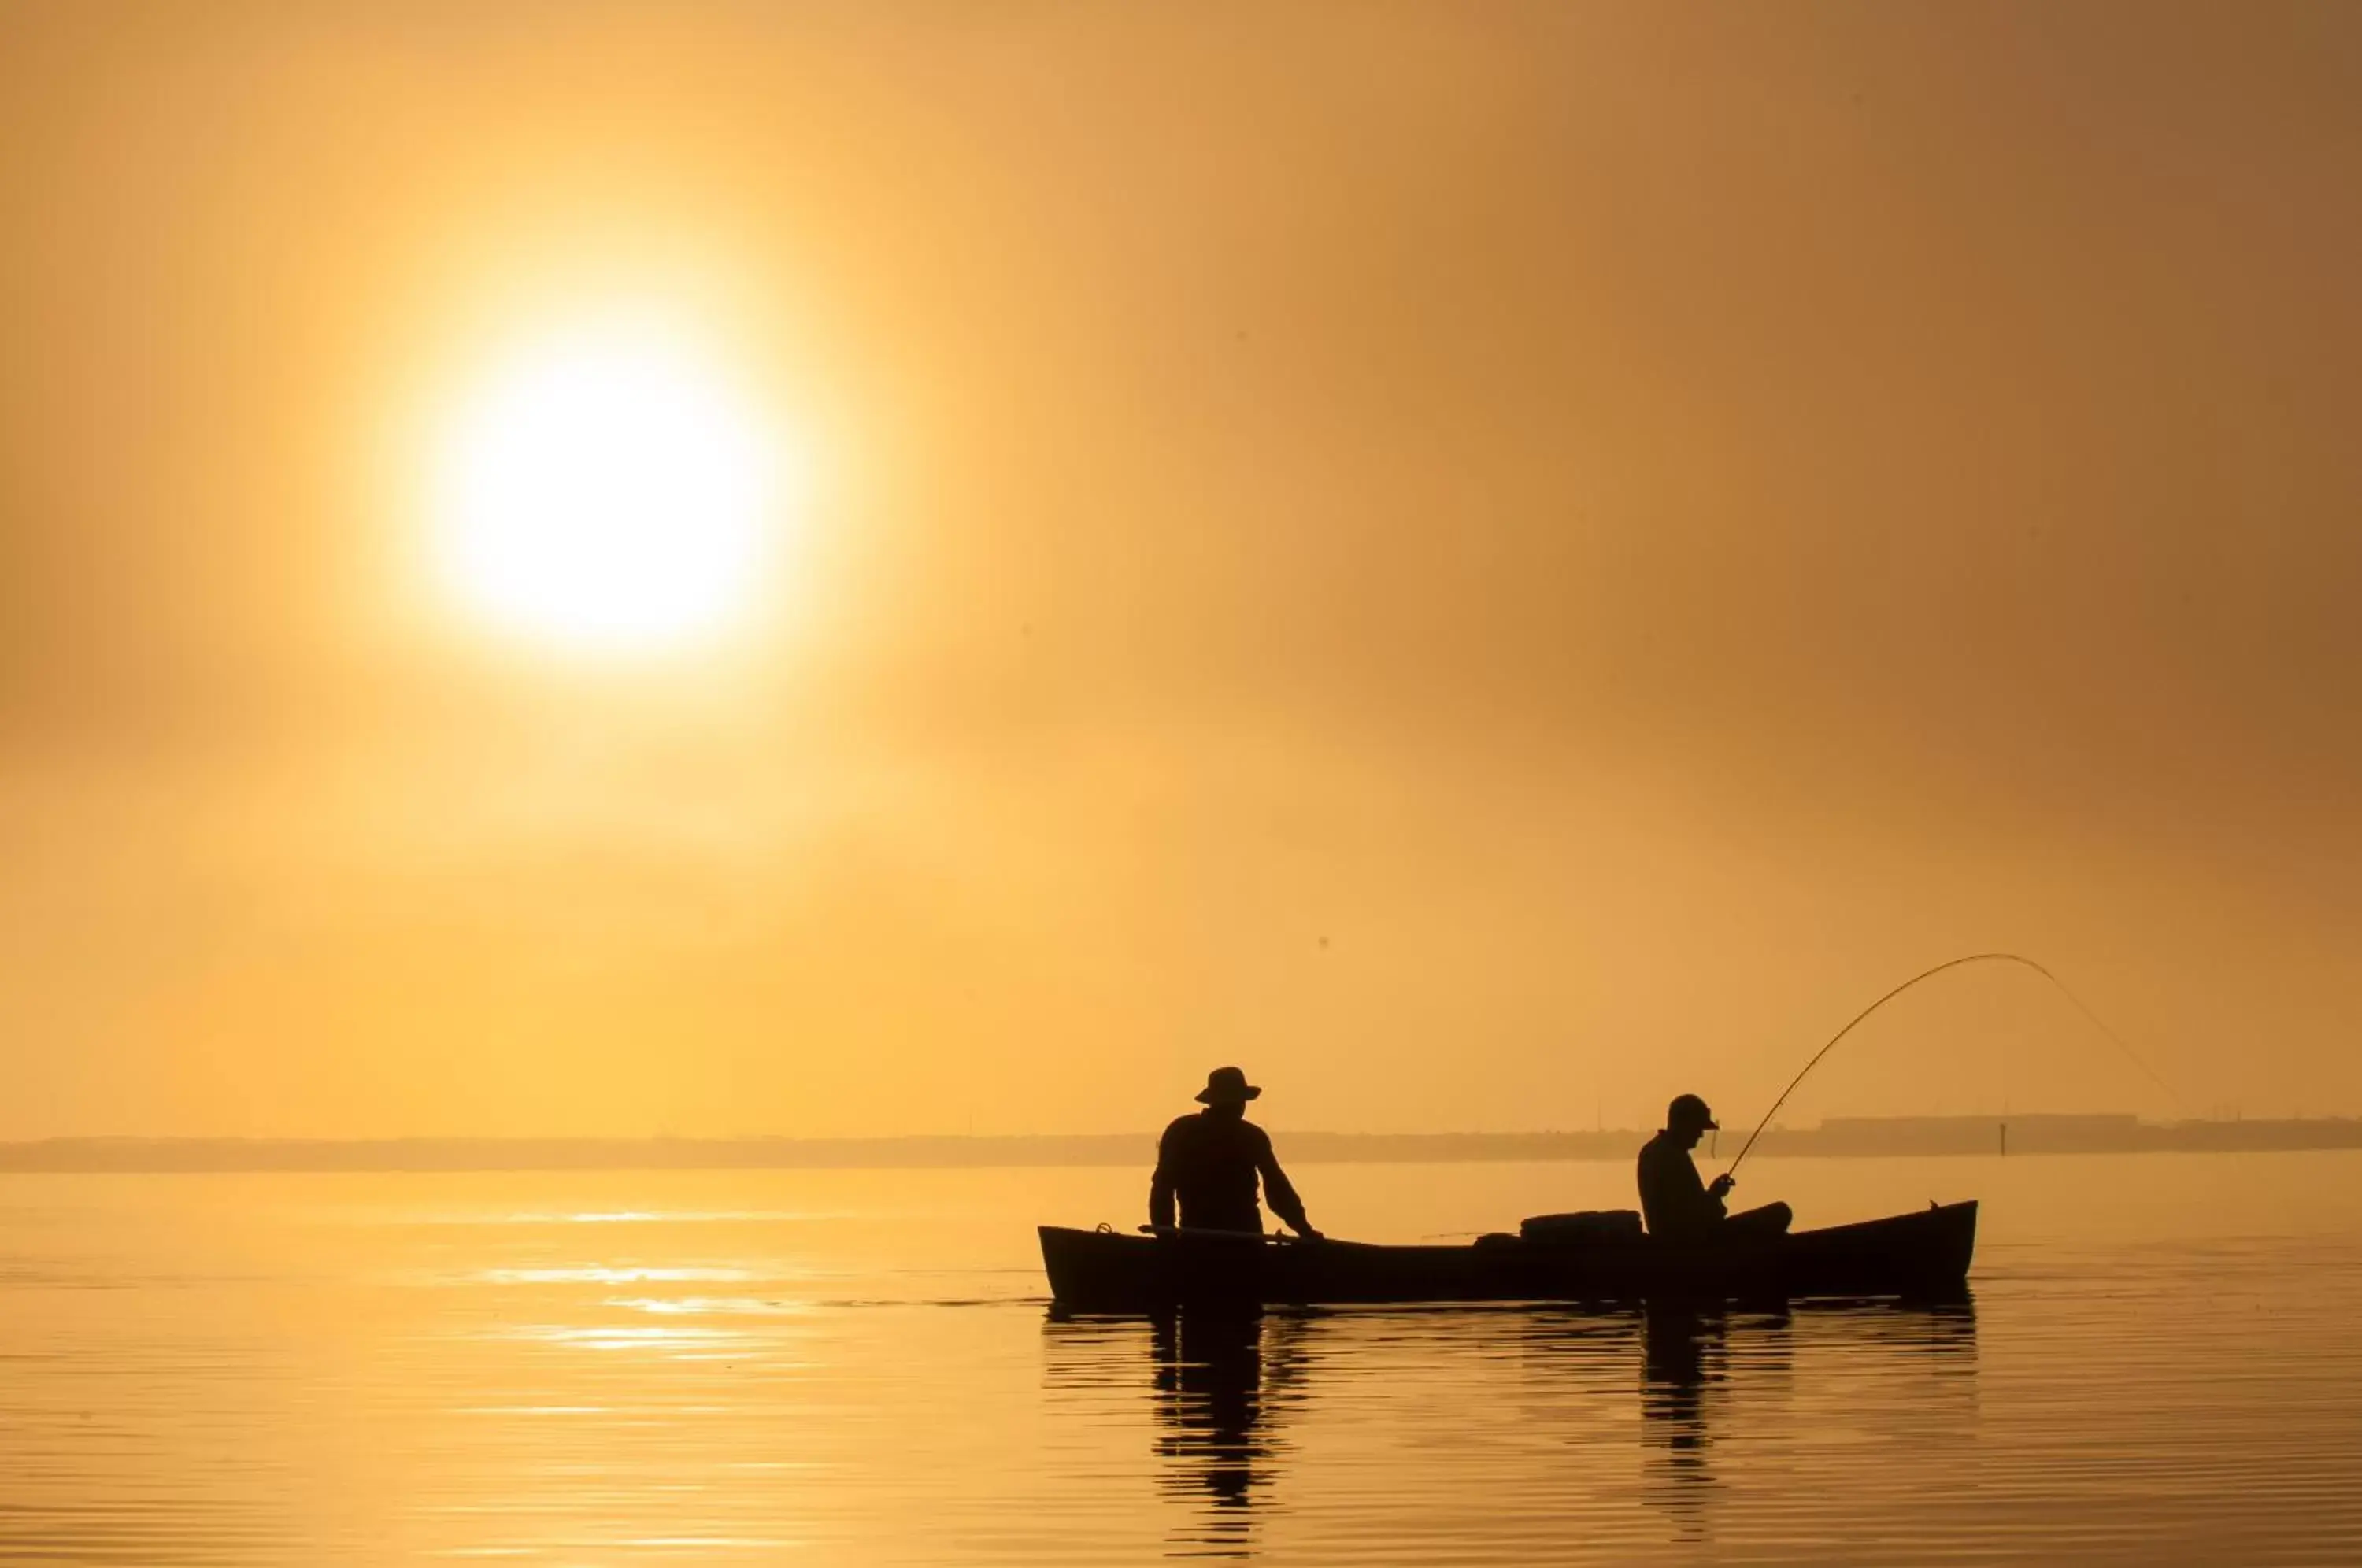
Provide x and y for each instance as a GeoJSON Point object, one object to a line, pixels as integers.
{"type": "Point", "coordinates": [1923, 1256]}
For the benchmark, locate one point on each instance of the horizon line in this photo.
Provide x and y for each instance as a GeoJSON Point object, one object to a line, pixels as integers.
{"type": "Point", "coordinates": [1928, 1118]}
{"type": "Point", "coordinates": [2025, 1132]}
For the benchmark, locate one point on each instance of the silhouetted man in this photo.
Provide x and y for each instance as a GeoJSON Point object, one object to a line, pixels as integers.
{"type": "Point", "coordinates": [1210, 1162]}
{"type": "Point", "coordinates": [1677, 1204]}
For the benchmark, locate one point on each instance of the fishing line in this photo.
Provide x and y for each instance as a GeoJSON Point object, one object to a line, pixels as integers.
{"type": "Point", "coordinates": [2096, 1022]}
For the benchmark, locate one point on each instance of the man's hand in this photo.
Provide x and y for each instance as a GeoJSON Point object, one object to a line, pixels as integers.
{"type": "Point", "coordinates": [1722, 1185]}
{"type": "Point", "coordinates": [1307, 1233]}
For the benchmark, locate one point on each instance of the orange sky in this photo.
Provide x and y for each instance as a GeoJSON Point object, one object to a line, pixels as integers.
{"type": "Point", "coordinates": [1490, 564]}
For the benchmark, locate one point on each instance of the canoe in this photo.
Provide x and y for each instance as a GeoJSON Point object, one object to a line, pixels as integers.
{"type": "Point", "coordinates": [1923, 1256]}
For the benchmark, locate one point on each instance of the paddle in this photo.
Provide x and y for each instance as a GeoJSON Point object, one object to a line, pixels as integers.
{"type": "Point", "coordinates": [1278, 1237]}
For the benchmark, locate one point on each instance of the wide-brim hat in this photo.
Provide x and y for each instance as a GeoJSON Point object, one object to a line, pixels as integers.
{"type": "Point", "coordinates": [1227, 1086]}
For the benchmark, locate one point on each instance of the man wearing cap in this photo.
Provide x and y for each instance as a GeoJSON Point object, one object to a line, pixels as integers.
{"type": "Point", "coordinates": [1210, 1162]}
{"type": "Point", "coordinates": [1676, 1202]}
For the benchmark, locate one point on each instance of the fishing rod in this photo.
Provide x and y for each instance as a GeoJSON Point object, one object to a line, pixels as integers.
{"type": "Point", "coordinates": [2018, 958]}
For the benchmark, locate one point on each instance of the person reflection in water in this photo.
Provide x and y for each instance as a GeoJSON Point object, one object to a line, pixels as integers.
{"type": "Point", "coordinates": [1681, 1207]}
{"type": "Point", "coordinates": [1209, 1400]}
{"type": "Point", "coordinates": [1211, 1163]}
{"type": "Point", "coordinates": [1681, 1354]}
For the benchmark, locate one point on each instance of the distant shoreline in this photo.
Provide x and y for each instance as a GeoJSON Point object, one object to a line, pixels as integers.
{"type": "Point", "coordinates": [1839, 1137]}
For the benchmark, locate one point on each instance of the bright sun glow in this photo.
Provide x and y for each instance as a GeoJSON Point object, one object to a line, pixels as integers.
{"type": "Point", "coordinates": [605, 490]}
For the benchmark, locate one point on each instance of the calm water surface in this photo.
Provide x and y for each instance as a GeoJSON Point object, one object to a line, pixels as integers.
{"type": "Point", "coordinates": [2163, 1363]}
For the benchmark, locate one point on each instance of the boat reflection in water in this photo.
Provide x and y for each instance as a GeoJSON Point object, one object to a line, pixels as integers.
{"type": "Point", "coordinates": [1228, 1390]}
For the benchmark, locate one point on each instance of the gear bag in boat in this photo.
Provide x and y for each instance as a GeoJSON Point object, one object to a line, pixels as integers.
{"type": "Point", "coordinates": [1583, 1225]}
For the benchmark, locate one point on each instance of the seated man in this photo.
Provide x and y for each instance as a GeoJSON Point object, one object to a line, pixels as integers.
{"type": "Point", "coordinates": [1210, 1162]}
{"type": "Point", "coordinates": [1680, 1206]}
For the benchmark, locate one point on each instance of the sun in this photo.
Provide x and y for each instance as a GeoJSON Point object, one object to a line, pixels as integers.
{"type": "Point", "coordinates": [606, 489]}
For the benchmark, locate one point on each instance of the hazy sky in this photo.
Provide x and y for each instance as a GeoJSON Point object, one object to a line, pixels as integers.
{"type": "Point", "coordinates": [1489, 563]}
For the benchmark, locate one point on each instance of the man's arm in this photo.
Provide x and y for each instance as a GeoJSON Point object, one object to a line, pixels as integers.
{"type": "Point", "coordinates": [1705, 1203]}
{"type": "Point", "coordinates": [1280, 1193]}
{"type": "Point", "coordinates": [1676, 1200]}
{"type": "Point", "coordinates": [1160, 1186]}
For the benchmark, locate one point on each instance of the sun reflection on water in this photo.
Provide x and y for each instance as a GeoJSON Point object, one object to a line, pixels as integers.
{"type": "Point", "coordinates": [680, 1344]}
{"type": "Point", "coordinates": [595, 1273]}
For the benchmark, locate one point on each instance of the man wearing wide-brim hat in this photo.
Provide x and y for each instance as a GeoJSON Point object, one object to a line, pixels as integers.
{"type": "Point", "coordinates": [1677, 1204]}
{"type": "Point", "coordinates": [1211, 1161]}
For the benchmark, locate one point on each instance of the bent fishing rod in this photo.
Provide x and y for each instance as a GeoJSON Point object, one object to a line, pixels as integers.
{"type": "Point", "coordinates": [2018, 958]}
